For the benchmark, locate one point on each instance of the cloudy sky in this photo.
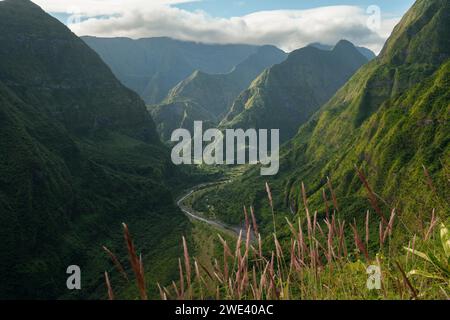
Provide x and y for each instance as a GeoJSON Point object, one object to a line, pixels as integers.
{"type": "Point", "coordinates": [288, 24]}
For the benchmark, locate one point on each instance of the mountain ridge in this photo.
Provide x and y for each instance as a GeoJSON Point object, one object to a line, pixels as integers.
{"type": "Point", "coordinates": [208, 97]}
{"type": "Point", "coordinates": [72, 139]}
{"type": "Point", "coordinates": [146, 65]}
{"type": "Point", "coordinates": [286, 95]}
{"type": "Point", "coordinates": [390, 120]}
{"type": "Point", "coordinates": [369, 54]}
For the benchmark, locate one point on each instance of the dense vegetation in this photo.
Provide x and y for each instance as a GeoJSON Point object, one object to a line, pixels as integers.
{"type": "Point", "coordinates": [309, 259]}
{"type": "Point", "coordinates": [147, 65]}
{"type": "Point", "coordinates": [328, 259]}
{"type": "Point", "coordinates": [80, 154]}
{"type": "Point", "coordinates": [287, 95]}
{"type": "Point", "coordinates": [390, 119]}
{"type": "Point", "coordinates": [208, 97]}
{"type": "Point", "coordinates": [383, 140]}
{"type": "Point", "coordinates": [364, 181]}
{"type": "Point", "coordinates": [381, 143]}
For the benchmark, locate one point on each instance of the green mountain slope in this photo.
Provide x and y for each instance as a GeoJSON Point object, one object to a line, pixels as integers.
{"type": "Point", "coordinates": [391, 118]}
{"type": "Point", "coordinates": [80, 155]}
{"type": "Point", "coordinates": [208, 97]}
{"type": "Point", "coordinates": [287, 95]}
{"type": "Point", "coordinates": [153, 66]}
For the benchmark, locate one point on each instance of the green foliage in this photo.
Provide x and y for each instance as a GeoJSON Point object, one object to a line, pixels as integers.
{"type": "Point", "coordinates": [147, 65]}
{"type": "Point", "coordinates": [287, 95]}
{"type": "Point", "coordinates": [319, 260]}
{"type": "Point", "coordinates": [208, 97]}
{"type": "Point", "coordinates": [440, 261]}
{"type": "Point", "coordinates": [390, 118]}
{"type": "Point", "coordinates": [80, 154]}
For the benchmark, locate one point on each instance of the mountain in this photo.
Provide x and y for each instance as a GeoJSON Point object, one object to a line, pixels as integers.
{"type": "Point", "coordinates": [287, 95]}
{"type": "Point", "coordinates": [369, 54]}
{"type": "Point", "coordinates": [208, 97]}
{"type": "Point", "coordinates": [73, 139]}
{"type": "Point", "coordinates": [153, 66]}
{"type": "Point", "coordinates": [391, 120]}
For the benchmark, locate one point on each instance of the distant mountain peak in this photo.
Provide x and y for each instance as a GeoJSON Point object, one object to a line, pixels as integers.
{"type": "Point", "coordinates": [343, 48]}
{"type": "Point", "coordinates": [287, 94]}
{"type": "Point", "coordinates": [390, 119]}
{"type": "Point", "coordinates": [369, 54]}
{"type": "Point", "coordinates": [321, 46]}
{"type": "Point", "coordinates": [147, 65]}
{"type": "Point", "coordinates": [208, 97]}
{"type": "Point", "coordinates": [344, 44]}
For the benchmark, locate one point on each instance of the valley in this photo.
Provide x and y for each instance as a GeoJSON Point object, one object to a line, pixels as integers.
{"type": "Point", "coordinates": [359, 150]}
{"type": "Point", "coordinates": [185, 205]}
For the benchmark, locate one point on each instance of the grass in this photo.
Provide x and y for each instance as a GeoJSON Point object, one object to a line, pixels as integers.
{"type": "Point", "coordinates": [316, 259]}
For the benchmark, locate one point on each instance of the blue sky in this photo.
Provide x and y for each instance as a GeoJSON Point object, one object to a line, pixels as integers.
{"type": "Point", "coordinates": [288, 24]}
{"type": "Point", "coordinates": [230, 8]}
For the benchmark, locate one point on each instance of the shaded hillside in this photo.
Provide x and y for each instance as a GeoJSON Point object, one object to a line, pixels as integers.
{"type": "Point", "coordinates": [208, 97]}
{"type": "Point", "coordinates": [80, 155]}
{"type": "Point", "coordinates": [287, 95]}
{"type": "Point", "coordinates": [153, 66]}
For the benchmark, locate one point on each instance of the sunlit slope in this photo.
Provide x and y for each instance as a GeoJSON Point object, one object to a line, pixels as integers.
{"type": "Point", "coordinates": [391, 119]}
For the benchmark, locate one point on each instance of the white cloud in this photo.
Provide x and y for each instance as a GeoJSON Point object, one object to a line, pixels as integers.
{"type": "Point", "coordinates": [102, 7]}
{"type": "Point", "coordinates": [287, 29]}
